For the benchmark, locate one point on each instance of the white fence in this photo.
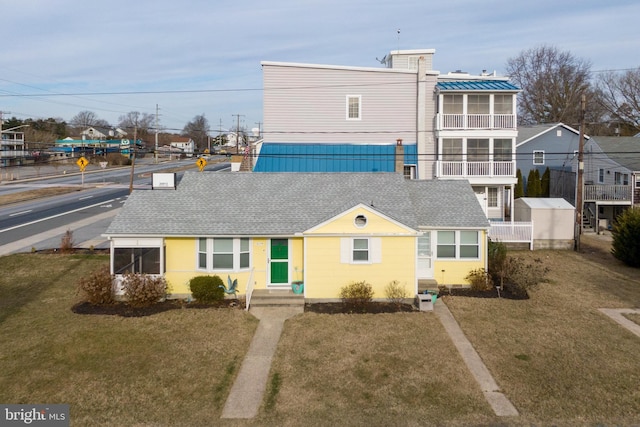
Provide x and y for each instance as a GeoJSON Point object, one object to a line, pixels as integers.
{"type": "Point", "coordinates": [512, 232]}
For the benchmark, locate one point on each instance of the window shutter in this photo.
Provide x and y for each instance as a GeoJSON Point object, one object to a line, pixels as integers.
{"type": "Point", "coordinates": [345, 250]}
{"type": "Point", "coordinates": [376, 250]}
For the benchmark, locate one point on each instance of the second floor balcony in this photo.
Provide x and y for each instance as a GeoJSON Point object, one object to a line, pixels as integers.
{"type": "Point", "coordinates": [475, 121]}
{"type": "Point", "coordinates": [465, 169]}
{"type": "Point", "coordinates": [614, 194]}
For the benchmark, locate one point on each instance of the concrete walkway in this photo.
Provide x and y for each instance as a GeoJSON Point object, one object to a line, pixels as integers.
{"type": "Point", "coordinates": [617, 315]}
{"type": "Point", "coordinates": [498, 401]}
{"type": "Point", "coordinates": [246, 394]}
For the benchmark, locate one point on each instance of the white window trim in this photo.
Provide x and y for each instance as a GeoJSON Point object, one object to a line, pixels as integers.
{"type": "Point", "coordinates": [534, 157]}
{"type": "Point", "coordinates": [209, 255]}
{"type": "Point", "coordinates": [349, 97]}
{"type": "Point", "coordinates": [346, 250]}
{"type": "Point", "coordinates": [457, 243]}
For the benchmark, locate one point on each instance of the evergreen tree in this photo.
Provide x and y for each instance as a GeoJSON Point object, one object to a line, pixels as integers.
{"type": "Point", "coordinates": [537, 183]}
{"type": "Point", "coordinates": [531, 184]}
{"type": "Point", "coordinates": [545, 182]}
{"type": "Point", "coordinates": [518, 191]}
{"type": "Point", "coordinates": [626, 237]}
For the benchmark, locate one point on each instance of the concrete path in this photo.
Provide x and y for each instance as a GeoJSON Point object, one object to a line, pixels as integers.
{"type": "Point", "coordinates": [246, 394]}
{"type": "Point", "coordinates": [617, 315]}
{"type": "Point", "coordinates": [498, 401]}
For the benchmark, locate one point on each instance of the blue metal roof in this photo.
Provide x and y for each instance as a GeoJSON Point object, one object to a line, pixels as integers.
{"type": "Point", "coordinates": [479, 85]}
{"type": "Point", "coordinates": [323, 157]}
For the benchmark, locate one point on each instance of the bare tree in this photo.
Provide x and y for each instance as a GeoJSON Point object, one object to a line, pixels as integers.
{"type": "Point", "coordinates": [85, 119]}
{"type": "Point", "coordinates": [619, 95]}
{"type": "Point", "coordinates": [552, 84]}
{"type": "Point", "coordinates": [198, 130]}
{"type": "Point", "coordinates": [138, 121]}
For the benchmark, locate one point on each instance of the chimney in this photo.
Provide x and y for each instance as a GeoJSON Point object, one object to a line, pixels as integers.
{"type": "Point", "coordinates": [399, 157]}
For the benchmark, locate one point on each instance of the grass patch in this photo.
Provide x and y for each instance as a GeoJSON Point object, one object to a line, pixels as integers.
{"type": "Point", "coordinates": [164, 369]}
{"type": "Point", "coordinates": [272, 392]}
{"type": "Point", "coordinates": [35, 193]}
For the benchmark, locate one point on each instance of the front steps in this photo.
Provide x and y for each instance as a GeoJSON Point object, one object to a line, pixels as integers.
{"type": "Point", "coordinates": [275, 298]}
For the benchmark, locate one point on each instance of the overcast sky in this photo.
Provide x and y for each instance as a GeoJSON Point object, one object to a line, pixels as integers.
{"type": "Point", "coordinates": [193, 57]}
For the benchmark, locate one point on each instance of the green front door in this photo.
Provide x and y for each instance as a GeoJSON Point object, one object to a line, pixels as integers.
{"type": "Point", "coordinates": [279, 262]}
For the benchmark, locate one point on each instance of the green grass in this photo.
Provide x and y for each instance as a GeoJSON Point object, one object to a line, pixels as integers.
{"type": "Point", "coordinates": [555, 356]}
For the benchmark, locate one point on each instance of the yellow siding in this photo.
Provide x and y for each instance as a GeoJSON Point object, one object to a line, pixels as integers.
{"type": "Point", "coordinates": [453, 272]}
{"type": "Point", "coordinates": [325, 274]}
{"type": "Point", "coordinates": [344, 224]}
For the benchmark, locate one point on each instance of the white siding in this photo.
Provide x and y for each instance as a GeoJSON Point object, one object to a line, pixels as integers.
{"type": "Point", "coordinates": [308, 104]}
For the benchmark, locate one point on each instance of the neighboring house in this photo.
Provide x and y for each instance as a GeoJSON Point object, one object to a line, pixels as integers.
{"type": "Point", "coordinates": [185, 144]}
{"type": "Point", "coordinates": [74, 148]}
{"type": "Point", "coordinates": [12, 150]}
{"type": "Point", "coordinates": [102, 133]}
{"type": "Point", "coordinates": [554, 146]}
{"type": "Point", "coordinates": [336, 118]}
{"type": "Point", "coordinates": [611, 178]}
{"type": "Point", "coordinates": [326, 229]}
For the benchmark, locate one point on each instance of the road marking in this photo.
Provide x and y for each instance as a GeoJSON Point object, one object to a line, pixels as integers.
{"type": "Point", "coordinates": [21, 213]}
{"type": "Point", "coordinates": [54, 216]}
{"type": "Point", "coordinates": [85, 197]}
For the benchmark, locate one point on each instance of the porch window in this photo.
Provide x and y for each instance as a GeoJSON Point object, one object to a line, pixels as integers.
{"type": "Point", "coordinates": [353, 107]}
{"type": "Point", "coordinates": [136, 260]}
{"type": "Point", "coordinates": [477, 150]}
{"type": "Point", "coordinates": [502, 149]}
{"type": "Point", "coordinates": [223, 253]}
{"type": "Point", "coordinates": [453, 104]}
{"type": "Point", "coordinates": [503, 104]}
{"type": "Point", "coordinates": [452, 149]}
{"type": "Point", "coordinates": [538, 157]}
{"type": "Point", "coordinates": [478, 104]}
{"type": "Point", "coordinates": [360, 250]}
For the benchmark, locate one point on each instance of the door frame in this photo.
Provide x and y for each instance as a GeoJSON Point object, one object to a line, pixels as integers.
{"type": "Point", "coordinates": [430, 271]}
{"type": "Point", "coordinates": [288, 261]}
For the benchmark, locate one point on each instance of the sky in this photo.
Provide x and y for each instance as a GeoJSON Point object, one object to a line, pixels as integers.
{"type": "Point", "coordinates": [192, 57]}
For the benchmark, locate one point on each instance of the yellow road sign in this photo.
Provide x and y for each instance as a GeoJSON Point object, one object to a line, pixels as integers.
{"type": "Point", "coordinates": [82, 163]}
{"type": "Point", "coordinates": [201, 162]}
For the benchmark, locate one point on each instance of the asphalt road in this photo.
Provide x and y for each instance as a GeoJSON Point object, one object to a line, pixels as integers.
{"type": "Point", "coordinates": [40, 224]}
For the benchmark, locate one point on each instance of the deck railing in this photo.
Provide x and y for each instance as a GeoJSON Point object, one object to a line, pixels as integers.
{"type": "Point", "coordinates": [475, 169]}
{"type": "Point", "coordinates": [476, 121]}
{"type": "Point", "coordinates": [512, 232]}
{"type": "Point", "coordinates": [607, 193]}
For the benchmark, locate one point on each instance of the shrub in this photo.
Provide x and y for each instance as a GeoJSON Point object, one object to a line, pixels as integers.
{"type": "Point", "coordinates": [395, 292]}
{"type": "Point", "coordinates": [207, 289]}
{"type": "Point", "coordinates": [66, 243]}
{"type": "Point", "coordinates": [626, 237]}
{"type": "Point", "coordinates": [479, 279]}
{"type": "Point", "coordinates": [521, 276]}
{"type": "Point", "coordinates": [356, 293]}
{"type": "Point", "coordinates": [97, 288]}
{"type": "Point", "coordinates": [142, 290]}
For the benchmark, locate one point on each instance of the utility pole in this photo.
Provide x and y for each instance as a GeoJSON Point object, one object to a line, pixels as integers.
{"type": "Point", "coordinates": [579, 186]}
{"type": "Point", "coordinates": [157, 131]}
{"type": "Point", "coordinates": [238, 132]}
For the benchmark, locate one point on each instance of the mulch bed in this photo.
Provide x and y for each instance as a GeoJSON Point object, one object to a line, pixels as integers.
{"type": "Point", "coordinates": [506, 293]}
{"type": "Point", "coordinates": [124, 310]}
{"type": "Point", "coordinates": [373, 307]}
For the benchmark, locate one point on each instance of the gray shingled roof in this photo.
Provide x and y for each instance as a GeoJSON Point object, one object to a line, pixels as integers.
{"type": "Point", "coordinates": [624, 150]}
{"type": "Point", "coordinates": [267, 204]}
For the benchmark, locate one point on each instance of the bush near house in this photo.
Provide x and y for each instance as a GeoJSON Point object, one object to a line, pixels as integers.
{"type": "Point", "coordinates": [626, 237]}
{"type": "Point", "coordinates": [357, 294]}
{"type": "Point", "coordinates": [97, 288]}
{"type": "Point", "coordinates": [395, 292]}
{"type": "Point", "coordinates": [142, 290]}
{"type": "Point", "coordinates": [480, 279]}
{"type": "Point", "coordinates": [207, 289]}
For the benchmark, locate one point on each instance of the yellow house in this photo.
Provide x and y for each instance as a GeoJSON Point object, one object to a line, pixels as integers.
{"type": "Point", "coordinates": [275, 230]}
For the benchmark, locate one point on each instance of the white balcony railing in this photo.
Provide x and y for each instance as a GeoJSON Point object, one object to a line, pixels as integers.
{"type": "Point", "coordinates": [476, 121]}
{"type": "Point", "coordinates": [475, 169]}
{"type": "Point", "coordinates": [515, 232]}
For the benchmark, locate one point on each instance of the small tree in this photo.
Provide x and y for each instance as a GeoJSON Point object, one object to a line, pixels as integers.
{"type": "Point", "coordinates": [626, 237]}
{"type": "Point", "coordinates": [496, 263]}
{"type": "Point", "coordinates": [66, 243]}
{"type": "Point", "coordinates": [533, 183]}
{"type": "Point", "coordinates": [97, 287]}
{"type": "Point", "coordinates": [395, 292]}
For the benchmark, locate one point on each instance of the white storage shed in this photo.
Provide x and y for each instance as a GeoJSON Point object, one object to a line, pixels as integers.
{"type": "Point", "coordinates": [553, 221]}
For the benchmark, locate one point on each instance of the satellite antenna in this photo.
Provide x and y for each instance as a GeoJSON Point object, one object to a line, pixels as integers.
{"type": "Point", "coordinates": [398, 39]}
